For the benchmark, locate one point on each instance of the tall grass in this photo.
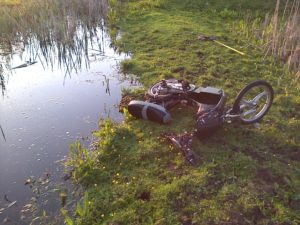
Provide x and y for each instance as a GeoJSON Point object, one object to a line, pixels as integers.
{"type": "Point", "coordinates": [278, 33]}
{"type": "Point", "coordinates": [282, 34]}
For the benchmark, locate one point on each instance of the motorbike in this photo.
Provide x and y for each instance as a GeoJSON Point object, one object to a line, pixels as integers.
{"type": "Point", "coordinates": [250, 105]}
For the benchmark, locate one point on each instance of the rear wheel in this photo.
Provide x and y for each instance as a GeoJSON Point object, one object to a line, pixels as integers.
{"type": "Point", "coordinates": [253, 101]}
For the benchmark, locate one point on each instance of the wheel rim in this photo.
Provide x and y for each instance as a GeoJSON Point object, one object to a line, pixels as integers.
{"type": "Point", "coordinates": [255, 103]}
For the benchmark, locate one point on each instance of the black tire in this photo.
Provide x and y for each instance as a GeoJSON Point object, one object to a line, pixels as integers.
{"type": "Point", "coordinates": [240, 104]}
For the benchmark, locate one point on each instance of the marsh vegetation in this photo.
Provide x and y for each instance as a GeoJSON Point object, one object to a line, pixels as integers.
{"type": "Point", "coordinates": [277, 33]}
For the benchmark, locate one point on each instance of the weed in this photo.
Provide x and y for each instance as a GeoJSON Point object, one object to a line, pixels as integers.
{"type": "Point", "coordinates": [277, 34]}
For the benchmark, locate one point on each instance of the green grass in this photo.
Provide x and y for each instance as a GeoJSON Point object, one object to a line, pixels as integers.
{"type": "Point", "coordinates": [248, 174]}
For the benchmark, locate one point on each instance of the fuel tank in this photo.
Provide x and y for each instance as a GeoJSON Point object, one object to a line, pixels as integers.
{"type": "Point", "coordinates": [149, 111]}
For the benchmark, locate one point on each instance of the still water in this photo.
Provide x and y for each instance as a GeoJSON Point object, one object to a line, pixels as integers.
{"type": "Point", "coordinates": [44, 109]}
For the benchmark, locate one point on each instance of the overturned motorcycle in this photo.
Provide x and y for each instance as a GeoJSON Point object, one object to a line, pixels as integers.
{"type": "Point", "coordinates": [251, 105]}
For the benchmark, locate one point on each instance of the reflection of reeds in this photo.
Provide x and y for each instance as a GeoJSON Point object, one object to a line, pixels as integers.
{"type": "Point", "coordinates": [106, 84]}
{"type": "Point", "coordinates": [2, 81]}
{"type": "Point", "coordinates": [58, 29]}
{"type": "Point", "coordinates": [278, 34]}
{"type": "Point", "coordinates": [2, 132]}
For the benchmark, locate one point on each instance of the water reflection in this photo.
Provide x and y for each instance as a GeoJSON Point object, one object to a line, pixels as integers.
{"type": "Point", "coordinates": [58, 76]}
{"type": "Point", "coordinates": [2, 132]}
{"type": "Point", "coordinates": [2, 79]}
{"type": "Point", "coordinates": [43, 112]}
{"type": "Point", "coordinates": [61, 33]}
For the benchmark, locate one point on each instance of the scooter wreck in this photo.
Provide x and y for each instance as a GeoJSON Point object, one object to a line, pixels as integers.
{"type": "Point", "coordinates": [250, 106]}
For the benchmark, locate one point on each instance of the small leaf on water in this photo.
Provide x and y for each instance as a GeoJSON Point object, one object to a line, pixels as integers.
{"type": "Point", "coordinates": [2, 209]}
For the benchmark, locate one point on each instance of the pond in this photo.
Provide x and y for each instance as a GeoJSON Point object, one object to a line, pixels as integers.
{"type": "Point", "coordinates": [47, 105]}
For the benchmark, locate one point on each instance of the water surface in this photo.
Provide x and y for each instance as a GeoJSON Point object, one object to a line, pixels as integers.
{"type": "Point", "coordinates": [43, 110]}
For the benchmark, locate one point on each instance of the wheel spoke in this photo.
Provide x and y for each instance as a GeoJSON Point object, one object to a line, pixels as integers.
{"type": "Point", "coordinates": [245, 103]}
{"type": "Point", "coordinates": [258, 97]}
{"type": "Point", "coordinates": [249, 112]}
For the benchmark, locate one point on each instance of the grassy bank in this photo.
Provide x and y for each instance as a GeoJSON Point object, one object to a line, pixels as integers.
{"type": "Point", "coordinates": [248, 174]}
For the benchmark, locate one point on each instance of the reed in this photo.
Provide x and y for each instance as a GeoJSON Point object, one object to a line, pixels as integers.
{"type": "Point", "coordinates": [277, 34]}
{"type": "Point", "coordinates": [283, 38]}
